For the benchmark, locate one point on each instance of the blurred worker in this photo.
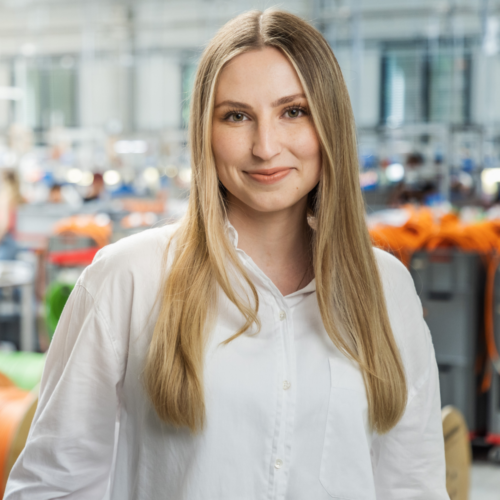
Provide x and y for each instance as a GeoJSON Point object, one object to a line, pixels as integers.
{"type": "Point", "coordinates": [96, 189]}
{"type": "Point", "coordinates": [10, 198]}
{"type": "Point", "coordinates": [55, 194]}
{"type": "Point", "coordinates": [415, 188]}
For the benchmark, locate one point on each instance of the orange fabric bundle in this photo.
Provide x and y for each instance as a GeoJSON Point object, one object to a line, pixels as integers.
{"type": "Point", "coordinates": [480, 237]}
{"type": "Point", "coordinates": [422, 232]}
{"type": "Point", "coordinates": [85, 225]}
{"type": "Point", "coordinates": [404, 240]}
{"type": "Point", "coordinates": [17, 408]}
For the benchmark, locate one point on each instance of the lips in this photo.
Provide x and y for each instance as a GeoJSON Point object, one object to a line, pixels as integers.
{"type": "Point", "coordinates": [269, 175]}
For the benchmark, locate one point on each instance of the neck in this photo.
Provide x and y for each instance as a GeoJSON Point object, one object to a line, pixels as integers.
{"type": "Point", "coordinates": [278, 242]}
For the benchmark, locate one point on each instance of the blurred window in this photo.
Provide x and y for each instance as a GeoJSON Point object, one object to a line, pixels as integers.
{"type": "Point", "coordinates": [51, 94]}
{"type": "Point", "coordinates": [403, 87]}
{"type": "Point", "coordinates": [449, 88]}
{"type": "Point", "coordinates": [421, 83]}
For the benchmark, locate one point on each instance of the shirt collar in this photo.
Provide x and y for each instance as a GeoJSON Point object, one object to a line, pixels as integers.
{"type": "Point", "coordinates": [232, 234]}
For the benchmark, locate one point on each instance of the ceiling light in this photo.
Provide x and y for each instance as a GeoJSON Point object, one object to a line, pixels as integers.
{"type": "Point", "coordinates": [74, 175]}
{"type": "Point", "coordinates": [151, 175]}
{"type": "Point", "coordinates": [111, 177]}
{"type": "Point", "coordinates": [87, 179]}
{"type": "Point", "coordinates": [395, 172]}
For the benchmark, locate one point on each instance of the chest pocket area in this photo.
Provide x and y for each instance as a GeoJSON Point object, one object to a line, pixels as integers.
{"type": "Point", "coordinates": [346, 469]}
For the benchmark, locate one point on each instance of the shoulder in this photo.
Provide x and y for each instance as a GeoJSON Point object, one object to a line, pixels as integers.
{"type": "Point", "coordinates": [399, 288]}
{"type": "Point", "coordinates": [132, 260]}
{"type": "Point", "coordinates": [392, 271]}
{"type": "Point", "coordinates": [406, 317]}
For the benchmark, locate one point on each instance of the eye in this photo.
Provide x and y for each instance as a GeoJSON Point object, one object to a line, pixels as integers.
{"type": "Point", "coordinates": [235, 116]}
{"type": "Point", "coordinates": [295, 112]}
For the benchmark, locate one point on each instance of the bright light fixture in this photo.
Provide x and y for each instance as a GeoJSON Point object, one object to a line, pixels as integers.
{"type": "Point", "coordinates": [151, 175]}
{"type": "Point", "coordinates": [87, 179]}
{"type": "Point", "coordinates": [490, 177]}
{"type": "Point", "coordinates": [74, 175]}
{"type": "Point", "coordinates": [171, 171]}
{"type": "Point", "coordinates": [111, 177]}
{"type": "Point", "coordinates": [185, 175]}
{"type": "Point", "coordinates": [395, 172]}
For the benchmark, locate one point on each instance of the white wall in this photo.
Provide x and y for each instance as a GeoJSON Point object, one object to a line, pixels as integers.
{"type": "Point", "coordinates": [4, 104]}
{"type": "Point", "coordinates": [363, 83]}
{"type": "Point", "coordinates": [102, 92]}
{"type": "Point", "coordinates": [106, 95]}
{"type": "Point", "coordinates": [158, 93]}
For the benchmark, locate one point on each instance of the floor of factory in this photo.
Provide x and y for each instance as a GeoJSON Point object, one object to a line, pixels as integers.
{"type": "Point", "coordinates": [485, 481]}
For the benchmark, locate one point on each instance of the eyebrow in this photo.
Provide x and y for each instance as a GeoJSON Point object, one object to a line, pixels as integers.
{"type": "Point", "coordinates": [286, 99]}
{"type": "Point", "coordinates": [274, 104]}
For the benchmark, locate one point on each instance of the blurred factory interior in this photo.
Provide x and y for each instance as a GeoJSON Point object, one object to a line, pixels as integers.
{"type": "Point", "coordinates": [94, 110]}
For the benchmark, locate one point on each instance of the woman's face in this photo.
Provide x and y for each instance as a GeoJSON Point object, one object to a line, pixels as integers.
{"type": "Point", "coordinates": [265, 145]}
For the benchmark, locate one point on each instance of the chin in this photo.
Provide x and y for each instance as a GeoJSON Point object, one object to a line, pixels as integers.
{"type": "Point", "coordinates": [269, 206]}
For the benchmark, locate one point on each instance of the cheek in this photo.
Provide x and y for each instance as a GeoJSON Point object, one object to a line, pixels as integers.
{"type": "Point", "coordinates": [227, 146]}
{"type": "Point", "coordinates": [218, 144]}
{"type": "Point", "coordinates": [306, 147]}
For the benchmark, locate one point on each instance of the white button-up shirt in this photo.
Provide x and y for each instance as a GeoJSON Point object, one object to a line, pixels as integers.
{"type": "Point", "coordinates": [286, 412]}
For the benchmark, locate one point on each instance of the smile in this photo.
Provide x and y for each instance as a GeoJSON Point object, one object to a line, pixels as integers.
{"type": "Point", "coordinates": [269, 176]}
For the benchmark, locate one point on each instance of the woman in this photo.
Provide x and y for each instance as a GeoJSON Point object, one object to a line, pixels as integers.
{"type": "Point", "coordinates": [277, 355]}
{"type": "Point", "coordinates": [10, 199]}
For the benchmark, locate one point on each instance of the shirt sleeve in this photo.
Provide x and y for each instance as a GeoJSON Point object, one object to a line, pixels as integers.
{"type": "Point", "coordinates": [70, 446]}
{"type": "Point", "coordinates": [409, 461]}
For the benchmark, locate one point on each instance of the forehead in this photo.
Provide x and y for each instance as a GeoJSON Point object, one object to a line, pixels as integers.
{"type": "Point", "coordinates": [266, 74]}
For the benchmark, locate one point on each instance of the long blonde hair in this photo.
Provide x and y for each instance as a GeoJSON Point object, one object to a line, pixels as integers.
{"type": "Point", "coordinates": [348, 285]}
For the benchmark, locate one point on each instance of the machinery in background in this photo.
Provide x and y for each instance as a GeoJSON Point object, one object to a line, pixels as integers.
{"type": "Point", "coordinates": [494, 394]}
{"type": "Point", "coordinates": [451, 285]}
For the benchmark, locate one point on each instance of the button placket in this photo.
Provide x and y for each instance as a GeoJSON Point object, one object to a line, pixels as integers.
{"type": "Point", "coordinates": [286, 382]}
{"type": "Point", "coordinates": [280, 467]}
{"type": "Point", "coordinates": [283, 452]}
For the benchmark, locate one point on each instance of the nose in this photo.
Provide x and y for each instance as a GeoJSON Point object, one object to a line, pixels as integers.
{"type": "Point", "coordinates": [266, 144]}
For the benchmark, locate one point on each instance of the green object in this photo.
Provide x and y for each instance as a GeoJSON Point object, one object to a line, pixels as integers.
{"type": "Point", "coordinates": [23, 368]}
{"type": "Point", "coordinates": [55, 300]}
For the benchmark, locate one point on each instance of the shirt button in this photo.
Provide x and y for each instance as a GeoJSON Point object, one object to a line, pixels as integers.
{"type": "Point", "coordinates": [286, 385]}
{"type": "Point", "coordinates": [282, 315]}
{"type": "Point", "coordinates": [278, 464]}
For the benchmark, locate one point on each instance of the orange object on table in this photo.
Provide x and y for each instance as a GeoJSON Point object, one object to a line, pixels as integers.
{"type": "Point", "coordinates": [404, 240]}
{"type": "Point", "coordinates": [85, 225]}
{"type": "Point", "coordinates": [17, 409]}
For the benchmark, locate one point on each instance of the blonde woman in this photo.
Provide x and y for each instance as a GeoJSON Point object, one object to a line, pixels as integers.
{"type": "Point", "coordinates": [260, 349]}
